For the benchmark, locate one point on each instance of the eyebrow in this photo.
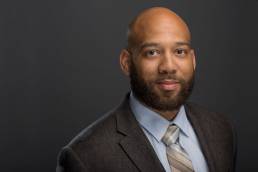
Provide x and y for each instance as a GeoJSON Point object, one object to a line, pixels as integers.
{"type": "Point", "coordinates": [183, 43]}
{"type": "Point", "coordinates": [152, 44]}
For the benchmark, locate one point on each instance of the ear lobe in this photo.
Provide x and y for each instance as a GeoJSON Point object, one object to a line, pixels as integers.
{"type": "Point", "coordinates": [125, 61]}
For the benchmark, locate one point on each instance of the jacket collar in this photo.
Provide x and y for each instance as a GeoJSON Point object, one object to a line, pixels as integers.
{"type": "Point", "coordinates": [134, 143]}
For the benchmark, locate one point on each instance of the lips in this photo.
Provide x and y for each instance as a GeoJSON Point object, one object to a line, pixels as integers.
{"type": "Point", "coordinates": [168, 85]}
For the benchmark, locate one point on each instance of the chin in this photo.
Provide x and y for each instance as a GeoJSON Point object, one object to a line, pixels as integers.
{"type": "Point", "coordinates": [170, 94]}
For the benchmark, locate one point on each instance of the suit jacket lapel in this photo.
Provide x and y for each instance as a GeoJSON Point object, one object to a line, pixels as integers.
{"type": "Point", "coordinates": [200, 126]}
{"type": "Point", "coordinates": [134, 143]}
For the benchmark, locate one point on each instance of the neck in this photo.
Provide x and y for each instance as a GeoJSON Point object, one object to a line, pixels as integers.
{"type": "Point", "coordinates": [169, 114]}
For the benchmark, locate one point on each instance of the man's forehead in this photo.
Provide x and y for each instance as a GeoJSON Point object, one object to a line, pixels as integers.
{"type": "Point", "coordinates": [163, 37]}
{"type": "Point", "coordinates": [146, 45]}
{"type": "Point", "coordinates": [159, 44]}
{"type": "Point", "coordinates": [157, 23]}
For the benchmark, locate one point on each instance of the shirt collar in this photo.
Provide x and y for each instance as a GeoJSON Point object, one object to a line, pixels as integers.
{"type": "Point", "coordinates": [155, 124]}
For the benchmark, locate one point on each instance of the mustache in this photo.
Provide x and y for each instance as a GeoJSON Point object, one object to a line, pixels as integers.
{"type": "Point", "coordinates": [169, 77]}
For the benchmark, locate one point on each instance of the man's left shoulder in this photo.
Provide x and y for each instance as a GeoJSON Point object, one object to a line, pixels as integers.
{"type": "Point", "coordinates": [217, 131]}
{"type": "Point", "coordinates": [211, 118]}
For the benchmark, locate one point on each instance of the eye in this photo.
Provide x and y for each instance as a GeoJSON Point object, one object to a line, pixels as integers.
{"type": "Point", "coordinates": [181, 52]}
{"type": "Point", "coordinates": [152, 53]}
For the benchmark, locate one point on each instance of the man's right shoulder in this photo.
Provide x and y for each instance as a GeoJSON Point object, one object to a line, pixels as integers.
{"type": "Point", "coordinates": [99, 139]}
{"type": "Point", "coordinates": [84, 147]}
{"type": "Point", "coordinates": [96, 131]}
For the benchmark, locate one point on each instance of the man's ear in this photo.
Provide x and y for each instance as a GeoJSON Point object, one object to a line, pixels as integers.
{"type": "Point", "coordinates": [125, 61]}
{"type": "Point", "coordinates": [193, 58]}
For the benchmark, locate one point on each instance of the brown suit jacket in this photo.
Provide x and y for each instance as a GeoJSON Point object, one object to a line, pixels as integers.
{"type": "Point", "coordinates": [116, 143]}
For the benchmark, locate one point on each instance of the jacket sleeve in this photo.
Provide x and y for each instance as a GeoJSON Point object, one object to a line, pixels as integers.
{"type": "Point", "coordinates": [68, 161]}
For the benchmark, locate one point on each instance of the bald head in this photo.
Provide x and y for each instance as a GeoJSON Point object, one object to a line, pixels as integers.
{"type": "Point", "coordinates": [153, 21]}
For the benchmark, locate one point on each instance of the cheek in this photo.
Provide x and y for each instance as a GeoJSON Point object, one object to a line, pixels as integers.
{"type": "Point", "coordinates": [148, 65]}
{"type": "Point", "coordinates": [186, 69]}
{"type": "Point", "coordinates": [148, 70]}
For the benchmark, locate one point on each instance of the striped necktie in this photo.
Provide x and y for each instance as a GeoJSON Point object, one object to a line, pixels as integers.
{"type": "Point", "coordinates": [177, 157]}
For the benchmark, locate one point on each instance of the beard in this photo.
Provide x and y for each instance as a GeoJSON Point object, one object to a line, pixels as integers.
{"type": "Point", "coordinates": [160, 100]}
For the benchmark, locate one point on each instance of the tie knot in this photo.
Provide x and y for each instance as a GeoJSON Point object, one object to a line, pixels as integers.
{"type": "Point", "coordinates": [171, 135]}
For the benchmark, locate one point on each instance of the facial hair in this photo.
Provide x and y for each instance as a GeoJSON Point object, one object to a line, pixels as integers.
{"type": "Point", "coordinates": [145, 91]}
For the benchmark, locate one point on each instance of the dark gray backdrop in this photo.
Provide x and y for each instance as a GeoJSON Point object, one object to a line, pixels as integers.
{"type": "Point", "coordinates": [59, 70]}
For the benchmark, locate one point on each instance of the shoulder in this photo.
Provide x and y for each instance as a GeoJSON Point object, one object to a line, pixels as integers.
{"type": "Point", "coordinates": [101, 134]}
{"type": "Point", "coordinates": [205, 115]}
{"type": "Point", "coordinates": [95, 133]}
{"type": "Point", "coordinates": [213, 123]}
{"type": "Point", "coordinates": [90, 143]}
{"type": "Point", "coordinates": [98, 140]}
{"type": "Point", "coordinates": [217, 129]}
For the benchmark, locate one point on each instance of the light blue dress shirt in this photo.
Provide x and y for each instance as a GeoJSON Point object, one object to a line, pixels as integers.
{"type": "Point", "coordinates": [155, 126]}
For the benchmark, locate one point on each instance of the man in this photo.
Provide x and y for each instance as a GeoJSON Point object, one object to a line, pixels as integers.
{"type": "Point", "coordinates": [154, 129]}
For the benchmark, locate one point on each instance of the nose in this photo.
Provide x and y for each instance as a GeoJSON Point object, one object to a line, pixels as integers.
{"type": "Point", "coordinates": [167, 64]}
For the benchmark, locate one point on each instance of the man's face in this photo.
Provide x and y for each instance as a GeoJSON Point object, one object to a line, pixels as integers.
{"type": "Point", "coordinates": [161, 67]}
